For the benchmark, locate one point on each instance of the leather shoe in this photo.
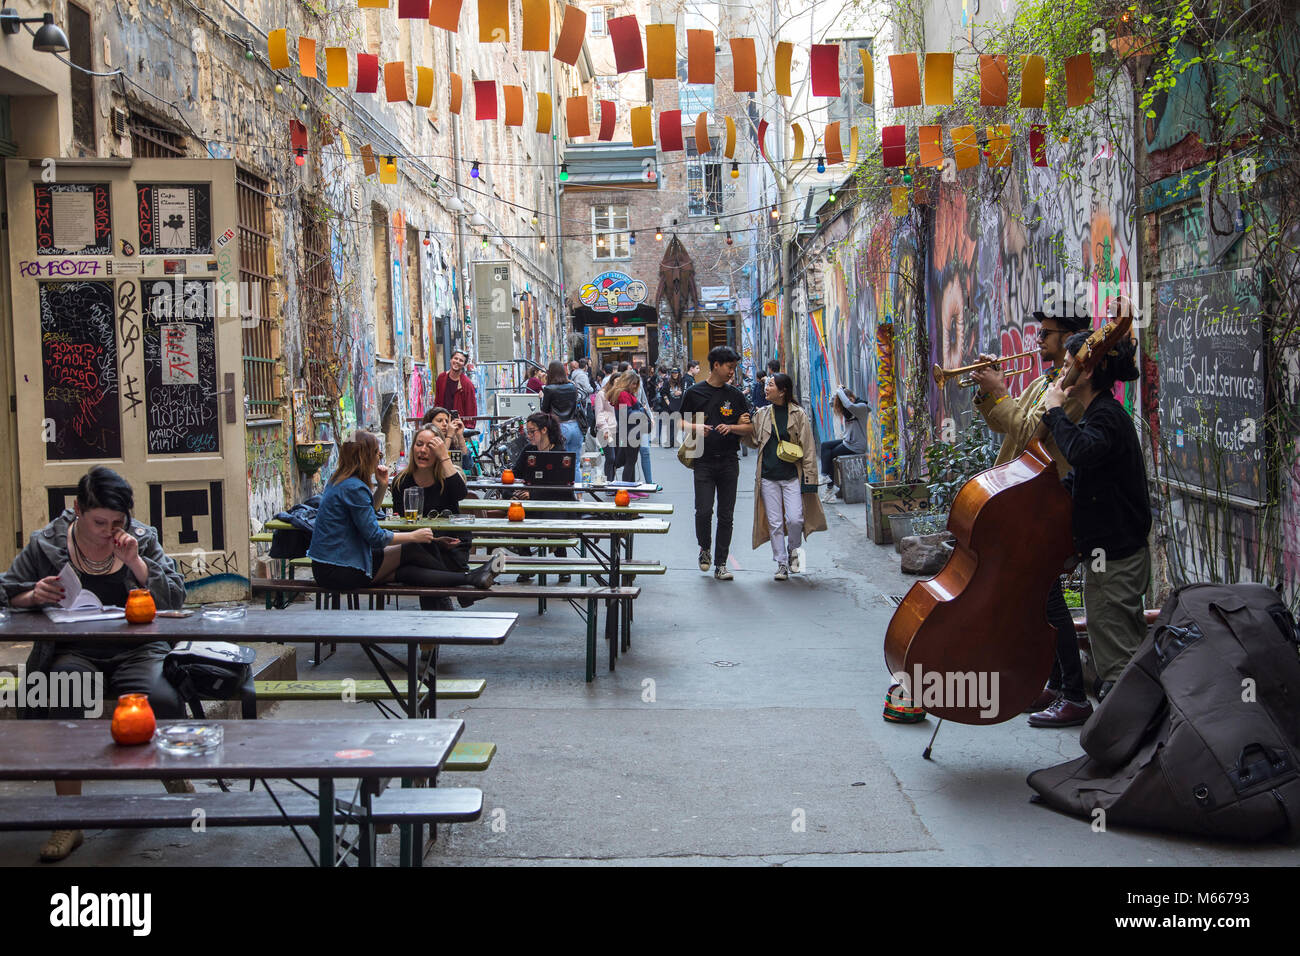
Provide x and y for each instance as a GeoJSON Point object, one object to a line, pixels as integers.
{"type": "Point", "coordinates": [1062, 713]}
{"type": "Point", "coordinates": [1042, 701]}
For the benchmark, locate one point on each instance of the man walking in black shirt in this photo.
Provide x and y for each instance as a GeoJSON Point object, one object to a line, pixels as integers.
{"type": "Point", "coordinates": [715, 408]}
{"type": "Point", "coordinates": [1111, 511]}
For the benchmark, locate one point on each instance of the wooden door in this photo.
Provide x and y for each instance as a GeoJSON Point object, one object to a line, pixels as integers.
{"type": "Point", "coordinates": [126, 335]}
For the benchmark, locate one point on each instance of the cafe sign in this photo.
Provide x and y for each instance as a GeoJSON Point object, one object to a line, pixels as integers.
{"type": "Point", "coordinates": [613, 292]}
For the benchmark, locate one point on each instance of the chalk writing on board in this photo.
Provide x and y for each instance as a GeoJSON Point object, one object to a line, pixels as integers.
{"type": "Point", "coordinates": [175, 219]}
{"type": "Point", "coordinates": [85, 225]}
{"type": "Point", "coordinates": [181, 406]}
{"type": "Point", "coordinates": [1212, 382]}
{"type": "Point", "coordinates": [79, 370]}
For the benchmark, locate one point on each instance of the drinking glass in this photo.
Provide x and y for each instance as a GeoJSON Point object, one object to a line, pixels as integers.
{"type": "Point", "coordinates": [412, 500]}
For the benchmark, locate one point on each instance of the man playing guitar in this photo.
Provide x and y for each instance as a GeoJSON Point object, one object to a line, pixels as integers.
{"type": "Point", "coordinates": [1063, 702]}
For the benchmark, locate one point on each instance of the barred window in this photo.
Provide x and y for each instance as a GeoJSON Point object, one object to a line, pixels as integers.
{"type": "Point", "coordinates": [261, 377]}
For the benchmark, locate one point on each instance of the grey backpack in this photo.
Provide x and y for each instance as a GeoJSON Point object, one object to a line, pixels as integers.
{"type": "Point", "coordinates": [1201, 733]}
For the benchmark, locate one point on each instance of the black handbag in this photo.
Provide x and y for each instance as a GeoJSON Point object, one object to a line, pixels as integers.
{"type": "Point", "coordinates": [212, 670]}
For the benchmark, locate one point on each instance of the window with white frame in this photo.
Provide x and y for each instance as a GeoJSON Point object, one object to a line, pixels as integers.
{"type": "Point", "coordinates": [703, 184]}
{"type": "Point", "coordinates": [598, 20]}
{"type": "Point", "coordinates": [609, 229]}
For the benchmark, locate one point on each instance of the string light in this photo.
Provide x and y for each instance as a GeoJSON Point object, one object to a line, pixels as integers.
{"type": "Point", "coordinates": [735, 170]}
{"type": "Point", "coordinates": [533, 220]}
{"type": "Point", "coordinates": [249, 54]}
{"type": "Point", "coordinates": [564, 172]}
{"type": "Point", "coordinates": [821, 164]}
{"type": "Point", "coordinates": [659, 233]}
{"type": "Point", "coordinates": [473, 170]}
{"type": "Point", "coordinates": [542, 241]}
{"type": "Point", "coordinates": [279, 87]}
{"type": "Point", "coordinates": [831, 197]}
{"type": "Point", "coordinates": [717, 226]}
{"type": "Point", "coordinates": [631, 239]}
{"type": "Point", "coordinates": [776, 213]}
{"type": "Point", "coordinates": [299, 156]}
{"type": "Point", "coordinates": [600, 241]}
{"type": "Point", "coordinates": [729, 239]}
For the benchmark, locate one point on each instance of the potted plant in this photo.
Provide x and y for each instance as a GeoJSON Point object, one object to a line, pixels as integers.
{"type": "Point", "coordinates": [951, 465]}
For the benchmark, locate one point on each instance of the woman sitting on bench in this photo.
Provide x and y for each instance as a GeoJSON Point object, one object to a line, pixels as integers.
{"type": "Point", "coordinates": [544, 433]}
{"type": "Point", "coordinates": [348, 548]}
{"type": "Point", "coordinates": [111, 555]}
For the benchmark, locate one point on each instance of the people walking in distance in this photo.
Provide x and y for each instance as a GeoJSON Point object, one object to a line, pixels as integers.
{"type": "Point", "coordinates": [621, 396]}
{"type": "Point", "coordinates": [773, 366]}
{"type": "Point", "coordinates": [854, 414]}
{"type": "Point", "coordinates": [606, 428]}
{"type": "Point", "coordinates": [718, 411]}
{"type": "Point", "coordinates": [453, 389]}
{"type": "Point", "coordinates": [544, 433]}
{"type": "Point", "coordinates": [1063, 702]}
{"type": "Point", "coordinates": [1111, 512]}
{"type": "Point", "coordinates": [758, 392]}
{"type": "Point", "coordinates": [786, 508]}
{"type": "Point", "coordinates": [670, 396]}
{"type": "Point", "coordinates": [658, 407]}
{"type": "Point", "coordinates": [580, 377]}
{"type": "Point", "coordinates": [560, 398]}
{"type": "Point", "coordinates": [693, 373]}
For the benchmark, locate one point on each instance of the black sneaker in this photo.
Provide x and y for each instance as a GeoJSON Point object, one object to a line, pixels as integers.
{"type": "Point", "coordinates": [722, 574]}
{"type": "Point", "coordinates": [706, 559]}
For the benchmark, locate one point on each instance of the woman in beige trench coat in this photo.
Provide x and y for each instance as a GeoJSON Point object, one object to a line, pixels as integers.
{"type": "Point", "coordinates": [791, 499]}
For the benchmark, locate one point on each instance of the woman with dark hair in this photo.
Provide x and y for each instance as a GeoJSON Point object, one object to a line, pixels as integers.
{"type": "Point", "coordinates": [786, 508]}
{"type": "Point", "coordinates": [450, 428]}
{"type": "Point", "coordinates": [1111, 512]}
{"type": "Point", "coordinates": [348, 548]}
{"type": "Point", "coordinates": [543, 432]}
{"type": "Point", "coordinates": [560, 398]}
{"type": "Point", "coordinates": [111, 554]}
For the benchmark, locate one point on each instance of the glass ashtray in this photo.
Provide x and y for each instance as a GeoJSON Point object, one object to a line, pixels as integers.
{"type": "Point", "coordinates": [461, 519]}
{"type": "Point", "coordinates": [189, 739]}
{"type": "Point", "coordinates": [225, 611]}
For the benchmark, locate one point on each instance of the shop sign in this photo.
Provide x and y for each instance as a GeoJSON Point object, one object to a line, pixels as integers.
{"type": "Point", "coordinates": [613, 292]}
{"type": "Point", "coordinates": [618, 341]}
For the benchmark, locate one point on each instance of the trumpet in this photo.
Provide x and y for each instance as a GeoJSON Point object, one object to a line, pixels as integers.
{"type": "Point", "coordinates": [941, 375]}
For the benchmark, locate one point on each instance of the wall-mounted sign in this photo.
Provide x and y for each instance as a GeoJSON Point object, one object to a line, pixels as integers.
{"type": "Point", "coordinates": [715, 292]}
{"type": "Point", "coordinates": [618, 341]}
{"type": "Point", "coordinates": [613, 292]}
{"type": "Point", "coordinates": [769, 306]}
{"type": "Point", "coordinates": [493, 318]}
{"type": "Point", "coordinates": [621, 330]}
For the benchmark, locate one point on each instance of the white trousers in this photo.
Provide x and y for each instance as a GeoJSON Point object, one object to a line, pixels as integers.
{"type": "Point", "coordinates": [783, 502]}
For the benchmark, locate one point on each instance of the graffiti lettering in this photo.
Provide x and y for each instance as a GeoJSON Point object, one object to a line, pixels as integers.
{"type": "Point", "coordinates": [35, 268]}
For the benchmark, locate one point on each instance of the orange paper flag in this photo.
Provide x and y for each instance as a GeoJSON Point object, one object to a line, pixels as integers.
{"type": "Point", "coordinates": [493, 21]}
{"type": "Point", "coordinates": [1033, 75]}
{"type": "Point", "coordinates": [307, 56]}
{"type": "Point", "coordinates": [513, 97]}
{"type": "Point", "coordinates": [1078, 80]}
{"type": "Point", "coordinates": [831, 140]}
{"type": "Point", "coordinates": [999, 145]}
{"type": "Point", "coordinates": [699, 56]}
{"type": "Point", "coordinates": [993, 80]}
{"type": "Point", "coordinates": [898, 203]}
{"type": "Point", "coordinates": [543, 112]}
{"type": "Point", "coordinates": [784, 51]}
{"type": "Point", "coordinates": [388, 171]}
{"type": "Point", "coordinates": [368, 160]}
{"type": "Point", "coordinates": [730, 150]}
{"type": "Point", "coordinates": [642, 126]}
{"type": "Point", "coordinates": [702, 144]}
{"type": "Point", "coordinates": [572, 31]}
{"type": "Point", "coordinates": [457, 90]}
{"type": "Point", "coordinates": [661, 51]}
{"type": "Point", "coordinates": [395, 82]}
{"type": "Point", "coordinates": [537, 26]}
{"type": "Point", "coordinates": [930, 139]}
{"type": "Point", "coordinates": [868, 77]}
{"type": "Point", "coordinates": [744, 65]}
{"type": "Point", "coordinates": [336, 66]}
{"type": "Point", "coordinates": [423, 86]}
{"type": "Point", "coordinates": [277, 48]}
{"type": "Point", "coordinates": [965, 147]}
{"type": "Point", "coordinates": [906, 78]}
{"type": "Point", "coordinates": [577, 116]}
{"type": "Point", "coordinates": [445, 14]}
{"type": "Point", "coordinates": [938, 79]}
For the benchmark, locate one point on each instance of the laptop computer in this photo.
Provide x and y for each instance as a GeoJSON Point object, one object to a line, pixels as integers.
{"type": "Point", "coordinates": [548, 468]}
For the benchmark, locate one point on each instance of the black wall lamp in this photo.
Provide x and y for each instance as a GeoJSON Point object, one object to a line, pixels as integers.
{"type": "Point", "coordinates": [48, 39]}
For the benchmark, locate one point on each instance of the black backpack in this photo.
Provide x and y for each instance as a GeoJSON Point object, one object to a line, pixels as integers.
{"type": "Point", "coordinates": [1201, 733]}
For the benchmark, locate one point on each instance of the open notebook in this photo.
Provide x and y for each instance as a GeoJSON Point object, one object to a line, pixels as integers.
{"type": "Point", "coordinates": [78, 604]}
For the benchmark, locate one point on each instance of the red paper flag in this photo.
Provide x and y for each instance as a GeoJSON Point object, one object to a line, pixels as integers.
{"type": "Point", "coordinates": [825, 69]}
{"type": "Point", "coordinates": [625, 35]}
{"type": "Point", "coordinates": [762, 137]}
{"type": "Point", "coordinates": [485, 99]}
{"type": "Point", "coordinates": [1038, 144]}
{"type": "Point", "coordinates": [607, 115]}
{"type": "Point", "coordinates": [367, 73]}
{"type": "Point", "coordinates": [670, 131]}
{"type": "Point", "coordinates": [893, 143]}
{"type": "Point", "coordinates": [412, 9]}
{"type": "Point", "coordinates": [297, 134]}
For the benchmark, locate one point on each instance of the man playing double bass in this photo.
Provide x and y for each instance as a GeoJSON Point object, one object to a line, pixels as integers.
{"type": "Point", "coordinates": [1063, 702]}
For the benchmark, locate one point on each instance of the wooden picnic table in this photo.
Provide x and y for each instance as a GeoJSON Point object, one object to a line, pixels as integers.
{"type": "Point", "coordinates": [479, 484]}
{"type": "Point", "coordinates": [326, 750]}
{"type": "Point", "coordinates": [549, 508]}
{"type": "Point", "coordinates": [368, 629]}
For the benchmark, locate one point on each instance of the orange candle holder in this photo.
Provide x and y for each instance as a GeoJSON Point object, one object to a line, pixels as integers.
{"type": "Point", "coordinates": [140, 608]}
{"type": "Point", "coordinates": [507, 477]}
{"type": "Point", "coordinates": [133, 720]}
{"type": "Point", "coordinates": [515, 512]}
{"type": "Point", "coordinates": [622, 498]}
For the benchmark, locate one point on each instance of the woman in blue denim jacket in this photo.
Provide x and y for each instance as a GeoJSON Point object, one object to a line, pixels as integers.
{"type": "Point", "coordinates": [348, 548]}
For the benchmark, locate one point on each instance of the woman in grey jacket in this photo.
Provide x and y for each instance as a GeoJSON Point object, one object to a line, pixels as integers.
{"type": "Point", "coordinates": [855, 414]}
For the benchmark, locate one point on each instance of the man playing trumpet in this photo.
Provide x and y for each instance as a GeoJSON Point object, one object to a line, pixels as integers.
{"type": "Point", "coordinates": [1063, 702]}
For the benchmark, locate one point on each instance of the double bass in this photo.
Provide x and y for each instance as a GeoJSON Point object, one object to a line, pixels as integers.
{"type": "Point", "coordinates": [980, 624]}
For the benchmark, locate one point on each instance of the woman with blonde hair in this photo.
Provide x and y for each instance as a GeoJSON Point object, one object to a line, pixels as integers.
{"type": "Point", "coordinates": [786, 508]}
{"type": "Point", "coordinates": [620, 394]}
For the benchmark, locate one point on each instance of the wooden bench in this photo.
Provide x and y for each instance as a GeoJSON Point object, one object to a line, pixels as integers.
{"type": "Point", "coordinates": [590, 594]}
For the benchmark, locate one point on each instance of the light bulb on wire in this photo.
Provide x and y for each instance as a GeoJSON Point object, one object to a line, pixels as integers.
{"type": "Point", "coordinates": [564, 172]}
{"type": "Point", "coordinates": [735, 170]}
{"type": "Point", "coordinates": [473, 170]}
{"type": "Point", "coordinates": [776, 213]}
{"type": "Point", "coordinates": [300, 156]}
{"type": "Point", "coordinates": [717, 226]}
{"type": "Point", "coordinates": [729, 239]}
{"type": "Point", "coordinates": [821, 164]}
{"type": "Point", "coordinates": [631, 239]}
{"type": "Point", "coordinates": [534, 219]}
{"type": "Point", "coordinates": [659, 233]}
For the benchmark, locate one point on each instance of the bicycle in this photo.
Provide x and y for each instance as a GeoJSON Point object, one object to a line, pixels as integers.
{"type": "Point", "coordinates": [503, 448]}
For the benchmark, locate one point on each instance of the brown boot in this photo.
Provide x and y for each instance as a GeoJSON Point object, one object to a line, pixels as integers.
{"type": "Point", "coordinates": [60, 845]}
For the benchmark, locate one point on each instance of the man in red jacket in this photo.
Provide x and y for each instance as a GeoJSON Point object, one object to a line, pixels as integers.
{"type": "Point", "coordinates": [454, 390]}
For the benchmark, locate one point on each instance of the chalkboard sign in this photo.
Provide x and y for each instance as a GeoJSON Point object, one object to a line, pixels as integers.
{"type": "Point", "coordinates": [175, 219]}
{"type": "Point", "coordinates": [1212, 382]}
{"type": "Point", "coordinates": [73, 219]}
{"type": "Point", "coordinates": [180, 370]}
{"type": "Point", "coordinates": [79, 371]}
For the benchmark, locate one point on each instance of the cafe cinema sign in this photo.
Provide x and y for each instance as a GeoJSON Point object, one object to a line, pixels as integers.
{"type": "Point", "coordinates": [612, 292]}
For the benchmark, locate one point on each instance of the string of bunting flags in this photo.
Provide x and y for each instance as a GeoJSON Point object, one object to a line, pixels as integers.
{"type": "Point", "coordinates": [915, 81]}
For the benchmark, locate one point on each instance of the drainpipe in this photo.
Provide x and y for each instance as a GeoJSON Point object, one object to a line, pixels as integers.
{"type": "Point", "coordinates": [460, 213]}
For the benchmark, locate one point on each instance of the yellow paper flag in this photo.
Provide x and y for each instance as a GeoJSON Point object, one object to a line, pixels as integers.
{"type": "Point", "coordinates": [347, 145]}
{"type": "Point", "coordinates": [307, 57]}
{"type": "Point", "coordinates": [642, 126]}
{"type": "Point", "coordinates": [853, 146]}
{"type": "Point", "coordinates": [899, 203]}
{"type": "Point", "coordinates": [965, 147]}
{"type": "Point", "coordinates": [784, 51]}
{"type": "Point", "coordinates": [493, 21]}
{"type": "Point", "coordinates": [798, 141]}
{"type": "Point", "coordinates": [543, 112]}
{"type": "Point", "coordinates": [388, 171]}
{"type": "Point", "coordinates": [661, 51]}
{"type": "Point", "coordinates": [277, 48]}
{"type": "Point", "coordinates": [336, 66]}
{"type": "Point", "coordinates": [373, 4]}
{"type": "Point", "coordinates": [423, 86]}
{"type": "Point", "coordinates": [1033, 73]}
{"type": "Point", "coordinates": [999, 147]}
{"type": "Point", "coordinates": [730, 150]}
{"type": "Point", "coordinates": [868, 77]}
{"type": "Point", "coordinates": [938, 79]}
{"type": "Point", "coordinates": [537, 25]}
